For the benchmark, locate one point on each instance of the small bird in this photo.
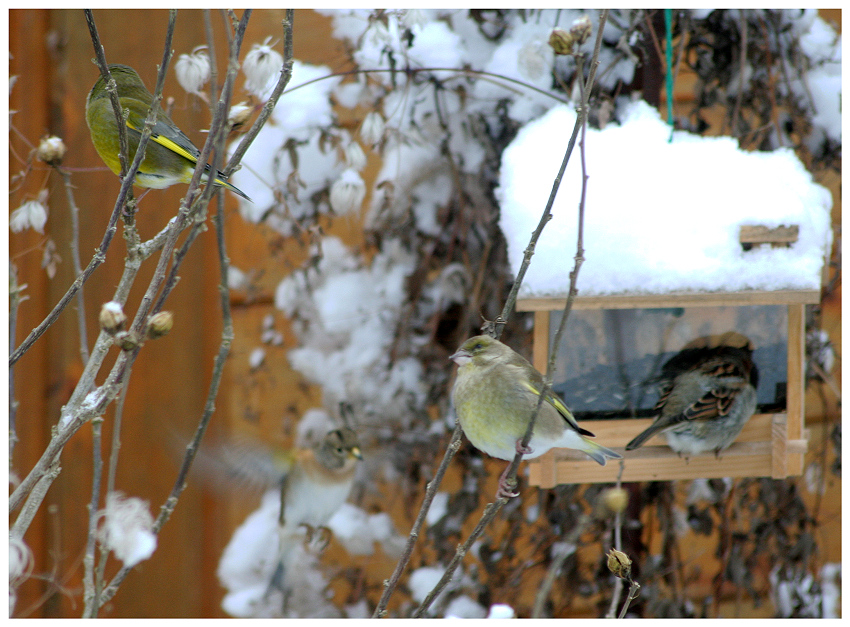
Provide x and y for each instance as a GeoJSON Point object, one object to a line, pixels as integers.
{"type": "Point", "coordinates": [319, 480]}
{"type": "Point", "coordinates": [495, 395]}
{"type": "Point", "coordinates": [708, 395]}
{"type": "Point", "coordinates": [314, 483]}
{"type": "Point", "coordinates": [170, 156]}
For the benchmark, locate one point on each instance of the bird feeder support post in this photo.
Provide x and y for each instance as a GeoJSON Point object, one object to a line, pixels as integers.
{"type": "Point", "coordinates": [796, 386]}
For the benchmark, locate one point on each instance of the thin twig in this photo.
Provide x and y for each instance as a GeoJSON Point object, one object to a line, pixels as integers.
{"type": "Point", "coordinates": [492, 509]}
{"type": "Point", "coordinates": [487, 516]}
{"type": "Point", "coordinates": [15, 299]}
{"type": "Point", "coordinates": [431, 490]}
{"type": "Point", "coordinates": [618, 544]}
{"type": "Point", "coordinates": [39, 491]}
{"type": "Point", "coordinates": [74, 413]}
{"type": "Point", "coordinates": [110, 486]}
{"type": "Point", "coordinates": [634, 588]}
{"type": "Point", "coordinates": [771, 84]}
{"type": "Point", "coordinates": [227, 332]}
{"type": "Point", "coordinates": [75, 260]}
{"type": "Point", "coordinates": [742, 25]}
{"type": "Point", "coordinates": [571, 539]}
{"type": "Point", "coordinates": [90, 587]}
{"type": "Point", "coordinates": [112, 90]}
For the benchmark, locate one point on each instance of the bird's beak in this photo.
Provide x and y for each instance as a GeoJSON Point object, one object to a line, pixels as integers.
{"type": "Point", "coordinates": [355, 452]}
{"type": "Point", "coordinates": [461, 357]}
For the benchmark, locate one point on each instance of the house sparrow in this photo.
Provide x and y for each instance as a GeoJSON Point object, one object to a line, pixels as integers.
{"type": "Point", "coordinates": [707, 397]}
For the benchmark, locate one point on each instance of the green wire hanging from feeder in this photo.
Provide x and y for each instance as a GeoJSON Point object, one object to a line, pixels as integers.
{"type": "Point", "coordinates": [668, 53]}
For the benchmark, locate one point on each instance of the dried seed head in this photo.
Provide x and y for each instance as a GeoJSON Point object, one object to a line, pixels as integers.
{"type": "Point", "coordinates": [614, 500]}
{"type": "Point", "coordinates": [112, 317]}
{"type": "Point", "coordinates": [238, 115]}
{"type": "Point", "coordinates": [160, 324]}
{"type": "Point", "coordinates": [581, 29]}
{"type": "Point", "coordinates": [372, 129]}
{"type": "Point", "coordinates": [561, 41]}
{"type": "Point", "coordinates": [620, 564]}
{"type": "Point", "coordinates": [51, 149]}
{"type": "Point", "coordinates": [193, 70]}
{"type": "Point", "coordinates": [261, 65]}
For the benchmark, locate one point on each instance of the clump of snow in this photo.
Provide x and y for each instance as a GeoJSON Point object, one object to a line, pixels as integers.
{"type": "Point", "coordinates": [346, 315]}
{"type": "Point", "coordinates": [256, 358]}
{"type": "Point", "coordinates": [423, 580]}
{"type": "Point", "coordinates": [127, 528]}
{"type": "Point", "coordinates": [438, 508]}
{"type": "Point", "coordinates": [248, 564]}
{"type": "Point", "coordinates": [250, 558]}
{"type": "Point", "coordinates": [464, 607]}
{"type": "Point", "coordinates": [821, 86]}
{"type": "Point", "coordinates": [359, 531]}
{"type": "Point", "coordinates": [500, 610]}
{"type": "Point", "coordinates": [660, 216]}
{"type": "Point", "coordinates": [268, 164]}
{"type": "Point", "coordinates": [314, 425]}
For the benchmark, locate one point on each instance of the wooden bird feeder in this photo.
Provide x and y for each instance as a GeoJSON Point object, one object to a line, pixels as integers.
{"type": "Point", "coordinates": [774, 440]}
{"type": "Point", "coordinates": [772, 444]}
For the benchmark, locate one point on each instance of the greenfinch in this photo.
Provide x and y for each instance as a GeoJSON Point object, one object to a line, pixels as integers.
{"type": "Point", "coordinates": [495, 395]}
{"type": "Point", "coordinates": [708, 395]}
{"type": "Point", "coordinates": [170, 156]}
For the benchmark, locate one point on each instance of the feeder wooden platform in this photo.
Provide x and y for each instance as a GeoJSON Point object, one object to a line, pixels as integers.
{"type": "Point", "coordinates": [770, 445]}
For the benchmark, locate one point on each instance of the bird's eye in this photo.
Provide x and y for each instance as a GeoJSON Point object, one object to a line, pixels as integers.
{"type": "Point", "coordinates": [339, 449]}
{"type": "Point", "coordinates": [478, 346]}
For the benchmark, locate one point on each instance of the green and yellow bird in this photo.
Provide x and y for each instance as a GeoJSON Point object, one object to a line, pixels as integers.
{"type": "Point", "coordinates": [170, 156]}
{"type": "Point", "coordinates": [495, 394]}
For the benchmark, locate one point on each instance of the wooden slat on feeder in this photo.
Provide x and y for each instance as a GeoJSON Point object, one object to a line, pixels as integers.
{"type": "Point", "coordinates": [754, 234]}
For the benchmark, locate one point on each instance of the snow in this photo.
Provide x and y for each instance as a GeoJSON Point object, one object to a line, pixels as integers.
{"type": "Point", "coordinates": [464, 607]}
{"type": "Point", "coordinates": [127, 528]}
{"type": "Point", "coordinates": [660, 217]}
{"type": "Point", "coordinates": [301, 111]}
{"type": "Point", "coordinates": [500, 610]}
{"type": "Point", "coordinates": [438, 509]}
{"type": "Point", "coordinates": [423, 580]}
{"type": "Point", "coordinates": [250, 558]}
{"type": "Point", "coordinates": [358, 530]}
{"type": "Point", "coordinates": [348, 312]}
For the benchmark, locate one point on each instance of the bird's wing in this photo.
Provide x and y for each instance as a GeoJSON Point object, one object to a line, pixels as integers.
{"type": "Point", "coordinates": [558, 404]}
{"type": "Point", "coordinates": [250, 464]}
{"type": "Point", "coordinates": [713, 404]}
{"type": "Point", "coordinates": [161, 131]}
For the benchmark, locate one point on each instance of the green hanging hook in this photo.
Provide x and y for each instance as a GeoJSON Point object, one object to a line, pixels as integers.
{"type": "Point", "coordinates": [668, 53]}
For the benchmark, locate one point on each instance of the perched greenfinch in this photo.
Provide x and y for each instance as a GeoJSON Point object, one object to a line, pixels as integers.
{"type": "Point", "coordinates": [708, 395]}
{"type": "Point", "coordinates": [495, 395]}
{"type": "Point", "coordinates": [170, 156]}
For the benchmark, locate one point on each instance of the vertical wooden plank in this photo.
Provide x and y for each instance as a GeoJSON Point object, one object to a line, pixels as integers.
{"type": "Point", "coordinates": [540, 353]}
{"type": "Point", "coordinates": [796, 380]}
{"type": "Point", "coordinates": [779, 446]}
{"type": "Point", "coordinates": [30, 99]}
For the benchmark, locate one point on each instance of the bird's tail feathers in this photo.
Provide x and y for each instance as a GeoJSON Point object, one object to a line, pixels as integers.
{"type": "Point", "coordinates": [222, 182]}
{"type": "Point", "coordinates": [232, 188]}
{"type": "Point", "coordinates": [640, 439]}
{"type": "Point", "coordinates": [600, 454]}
